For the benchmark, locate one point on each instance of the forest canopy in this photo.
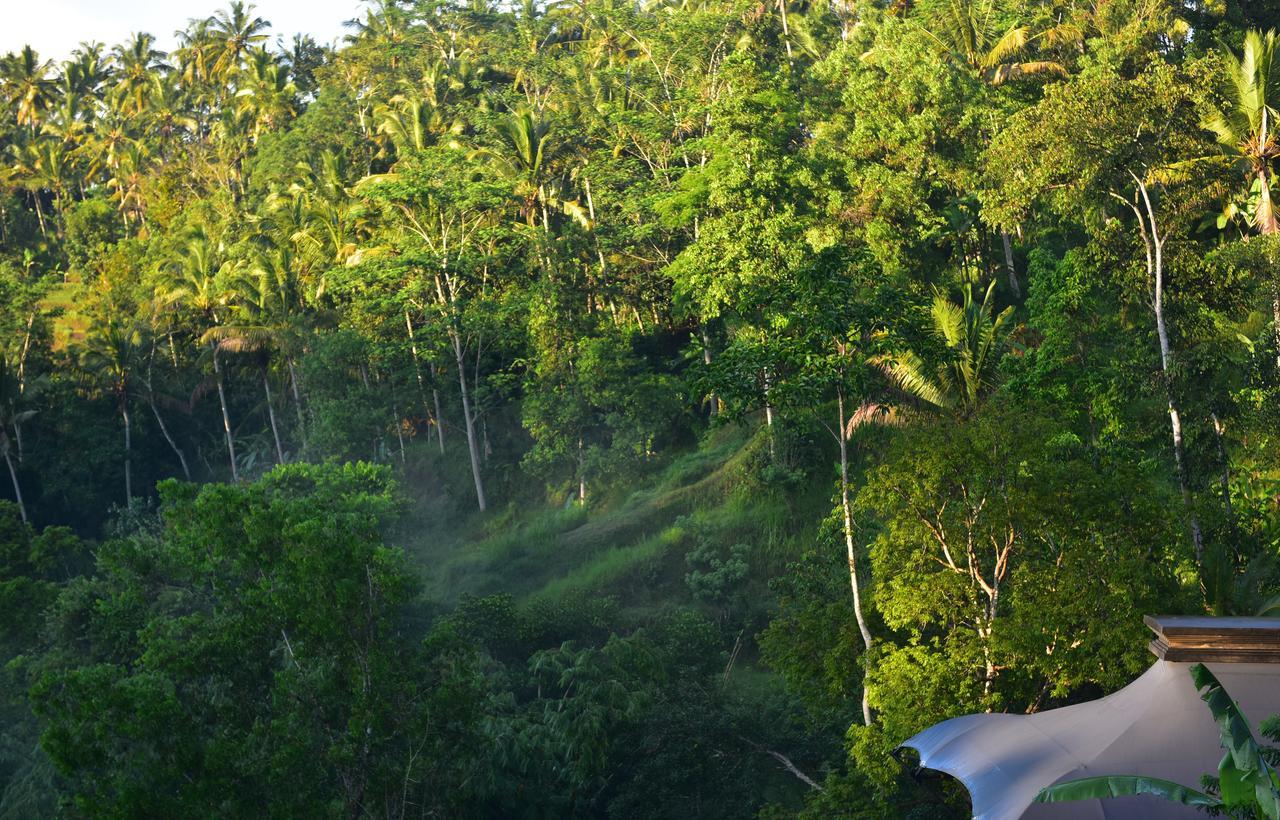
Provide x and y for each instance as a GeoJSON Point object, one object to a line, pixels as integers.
{"type": "Point", "coordinates": [650, 409]}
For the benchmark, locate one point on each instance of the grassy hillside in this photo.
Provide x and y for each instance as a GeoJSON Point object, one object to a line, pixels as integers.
{"type": "Point", "coordinates": [639, 543]}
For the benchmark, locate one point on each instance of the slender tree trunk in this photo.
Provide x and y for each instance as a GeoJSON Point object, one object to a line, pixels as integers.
{"type": "Point", "coordinates": [226, 417]}
{"type": "Point", "coordinates": [786, 29]}
{"type": "Point", "coordinates": [1219, 431]}
{"type": "Point", "coordinates": [852, 554]}
{"type": "Point", "coordinates": [22, 378]}
{"type": "Point", "coordinates": [271, 416]}
{"type": "Point", "coordinates": [17, 488]}
{"type": "Point", "coordinates": [417, 365]}
{"type": "Point", "coordinates": [713, 400]}
{"type": "Point", "coordinates": [768, 412]}
{"type": "Point", "coordinates": [473, 446]}
{"type": "Point", "coordinates": [582, 474]}
{"type": "Point", "coordinates": [1275, 320]}
{"type": "Point", "coordinates": [399, 432]}
{"type": "Point", "coordinates": [128, 453]}
{"type": "Point", "coordinates": [297, 402]}
{"type": "Point", "coordinates": [40, 215]}
{"type": "Point", "coordinates": [1155, 264]}
{"type": "Point", "coordinates": [1014, 286]}
{"type": "Point", "coordinates": [435, 397]}
{"type": "Point", "coordinates": [164, 431]}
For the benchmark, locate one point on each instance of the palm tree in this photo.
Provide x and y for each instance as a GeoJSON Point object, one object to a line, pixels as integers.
{"type": "Point", "coordinates": [197, 282]}
{"type": "Point", "coordinates": [87, 72]}
{"type": "Point", "coordinates": [974, 343]}
{"type": "Point", "coordinates": [111, 355]}
{"type": "Point", "coordinates": [167, 113]}
{"type": "Point", "coordinates": [11, 415]}
{"type": "Point", "coordinates": [27, 86]}
{"type": "Point", "coordinates": [138, 63]}
{"type": "Point", "coordinates": [1245, 131]}
{"type": "Point", "coordinates": [526, 162]}
{"type": "Point", "coordinates": [258, 324]}
{"type": "Point", "coordinates": [414, 117]}
{"type": "Point", "coordinates": [1245, 134]}
{"type": "Point", "coordinates": [267, 95]}
{"type": "Point", "coordinates": [971, 30]}
{"type": "Point", "coordinates": [196, 53]}
{"type": "Point", "coordinates": [39, 166]}
{"type": "Point", "coordinates": [234, 30]}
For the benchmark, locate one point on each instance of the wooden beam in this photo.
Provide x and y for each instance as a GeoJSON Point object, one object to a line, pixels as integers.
{"type": "Point", "coordinates": [1186, 639]}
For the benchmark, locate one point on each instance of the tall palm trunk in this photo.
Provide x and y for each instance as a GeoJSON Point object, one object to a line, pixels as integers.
{"type": "Point", "coordinates": [226, 417]}
{"type": "Point", "coordinates": [1270, 227]}
{"type": "Point", "coordinates": [852, 553]}
{"type": "Point", "coordinates": [435, 397]}
{"type": "Point", "coordinates": [417, 365]}
{"type": "Point", "coordinates": [164, 431]}
{"type": "Point", "coordinates": [17, 488]}
{"type": "Point", "coordinates": [128, 452]}
{"type": "Point", "coordinates": [297, 401]}
{"type": "Point", "coordinates": [1014, 286]}
{"type": "Point", "coordinates": [473, 446]}
{"type": "Point", "coordinates": [271, 416]}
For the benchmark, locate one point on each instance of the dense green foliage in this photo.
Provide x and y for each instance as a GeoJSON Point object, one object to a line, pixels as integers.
{"type": "Point", "coordinates": [596, 409]}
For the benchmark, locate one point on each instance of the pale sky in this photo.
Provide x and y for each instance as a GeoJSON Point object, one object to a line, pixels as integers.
{"type": "Point", "coordinates": [55, 27]}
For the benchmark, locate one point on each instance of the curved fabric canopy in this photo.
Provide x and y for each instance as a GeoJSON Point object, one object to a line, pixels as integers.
{"type": "Point", "coordinates": [1156, 726]}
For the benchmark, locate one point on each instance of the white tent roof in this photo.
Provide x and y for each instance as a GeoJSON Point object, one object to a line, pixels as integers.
{"type": "Point", "coordinates": [1156, 726]}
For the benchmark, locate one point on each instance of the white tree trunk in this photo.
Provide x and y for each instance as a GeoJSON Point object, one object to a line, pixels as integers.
{"type": "Point", "coordinates": [852, 554]}
{"type": "Point", "coordinates": [128, 454]}
{"type": "Point", "coordinates": [1155, 265]}
{"type": "Point", "coordinates": [473, 447]}
{"type": "Point", "coordinates": [1014, 286]}
{"type": "Point", "coordinates": [226, 417]}
{"type": "Point", "coordinates": [164, 431]}
{"type": "Point", "coordinates": [17, 488]}
{"type": "Point", "coordinates": [271, 415]}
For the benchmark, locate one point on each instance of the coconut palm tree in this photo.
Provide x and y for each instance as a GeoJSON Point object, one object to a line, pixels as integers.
{"type": "Point", "coordinates": [87, 72]}
{"type": "Point", "coordinates": [12, 414]}
{"type": "Point", "coordinates": [527, 162]}
{"type": "Point", "coordinates": [27, 86]}
{"type": "Point", "coordinates": [267, 94]}
{"type": "Point", "coordinates": [972, 31]}
{"type": "Point", "coordinates": [1246, 135]}
{"type": "Point", "coordinates": [1245, 130]}
{"type": "Point", "coordinates": [138, 62]}
{"type": "Point", "coordinates": [258, 324]}
{"type": "Point", "coordinates": [197, 282]}
{"type": "Point", "coordinates": [974, 342]}
{"type": "Point", "coordinates": [41, 165]}
{"type": "Point", "coordinates": [235, 30]}
{"type": "Point", "coordinates": [111, 355]}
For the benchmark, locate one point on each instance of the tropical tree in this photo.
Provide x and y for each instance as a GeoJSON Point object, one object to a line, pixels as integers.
{"type": "Point", "coordinates": [137, 64]}
{"type": "Point", "coordinates": [258, 324]}
{"type": "Point", "coordinates": [1245, 135]}
{"type": "Point", "coordinates": [973, 342]}
{"type": "Point", "coordinates": [233, 31]}
{"type": "Point", "coordinates": [27, 86]}
{"type": "Point", "coordinates": [972, 30]}
{"type": "Point", "coordinates": [11, 415]}
{"type": "Point", "coordinates": [111, 356]}
{"type": "Point", "coordinates": [198, 282]}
